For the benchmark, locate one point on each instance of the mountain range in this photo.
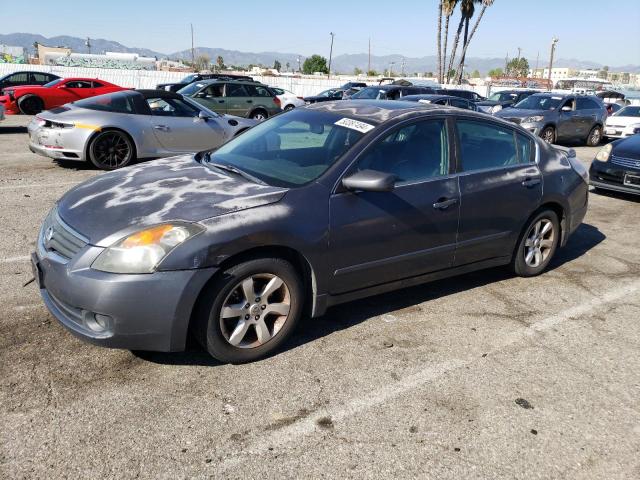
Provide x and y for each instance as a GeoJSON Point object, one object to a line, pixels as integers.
{"type": "Point", "coordinates": [344, 63]}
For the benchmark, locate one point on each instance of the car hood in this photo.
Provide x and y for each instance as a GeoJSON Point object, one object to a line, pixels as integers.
{"type": "Point", "coordinates": [622, 121]}
{"type": "Point", "coordinates": [627, 148]}
{"type": "Point", "coordinates": [114, 204]}
{"type": "Point", "coordinates": [519, 113]}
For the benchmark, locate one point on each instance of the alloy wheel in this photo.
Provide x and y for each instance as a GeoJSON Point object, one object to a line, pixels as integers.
{"type": "Point", "coordinates": [594, 138]}
{"type": "Point", "coordinates": [255, 310]}
{"type": "Point", "coordinates": [111, 150]}
{"type": "Point", "coordinates": [259, 116]}
{"type": "Point", "coordinates": [547, 135]}
{"type": "Point", "coordinates": [539, 242]}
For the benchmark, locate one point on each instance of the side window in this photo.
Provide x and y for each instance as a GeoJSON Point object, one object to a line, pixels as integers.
{"type": "Point", "coordinates": [97, 84]}
{"type": "Point", "coordinates": [459, 103]}
{"type": "Point", "coordinates": [257, 91]}
{"type": "Point", "coordinates": [586, 104]}
{"type": "Point", "coordinates": [18, 79]}
{"type": "Point", "coordinates": [236, 90]}
{"type": "Point", "coordinates": [413, 153]}
{"type": "Point", "coordinates": [50, 78]}
{"type": "Point", "coordinates": [78, 84]}
{"type": "Point", "coordinates": [569, 103]}
{"type": "Point", "coordinates": [485, 145]}
{"type": "Point", "coordinates": [214, 90]}
{"type": "Point", "coordinates": [40, 78]}
{"type": "Point", "coordinates": [171, 107]}
{"type": "Point", "coordinates": [525, 148]}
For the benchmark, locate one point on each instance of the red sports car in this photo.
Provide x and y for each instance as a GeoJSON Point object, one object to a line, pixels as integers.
{"type": "Point", "coordinates": [32, 99]}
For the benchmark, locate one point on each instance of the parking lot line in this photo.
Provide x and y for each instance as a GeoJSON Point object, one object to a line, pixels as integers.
{"type": "Point", "coordinates": [37, 185]}
{"type": "Point", "coordinates": [22, 258]}
{"type": "Point", "coordinates": [374, 398]}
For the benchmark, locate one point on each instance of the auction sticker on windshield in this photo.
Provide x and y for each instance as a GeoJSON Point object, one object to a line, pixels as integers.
{"type": "Point", "coordinates": [354, 125]}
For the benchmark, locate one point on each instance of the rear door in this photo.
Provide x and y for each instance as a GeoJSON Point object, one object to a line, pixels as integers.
{"type": "Point", "coordinates": [37, 78]}
{"type": "Point", "coordinates": [587, 110]}
{"type": "Point", "coordinates": [177, 127]}
{"type": "Point", "coordinates": [237, 98]}
{"type": "Point", "coordinates": [378, 237]}
{"type": "Point", "coordinates": [500, 186]}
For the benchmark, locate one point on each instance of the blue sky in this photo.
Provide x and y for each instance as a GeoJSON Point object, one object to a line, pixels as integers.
{"type": "Point", "coordinates": [587, 31]}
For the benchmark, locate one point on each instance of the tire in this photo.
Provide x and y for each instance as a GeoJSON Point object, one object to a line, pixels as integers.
{"type": "Point", "coordinates": [595, 136]}
{"type": "Point", "coordinates": [30, 104]}
{"type": "Point", "coordinates": [235, 338]}
{"type": "Point", "coordinates": [110, 150]}
{"type": "Point", "coordinates": [528, 264]}
{"type": "Point", "coordinates": [289, 107]}
{"type": "Point", "coordinates": [259, 115]}
{"type": "Point", "coordinates": [548, 134]}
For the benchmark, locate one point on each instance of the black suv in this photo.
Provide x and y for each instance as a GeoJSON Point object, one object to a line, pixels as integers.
{"type": "Point", "coordinates": [16, 79]}
{"type": "Point", "coordinates": [196, 77]}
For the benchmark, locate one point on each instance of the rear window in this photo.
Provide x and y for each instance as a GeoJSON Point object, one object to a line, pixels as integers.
{"type": "Point", "coordinates": [115, 102]}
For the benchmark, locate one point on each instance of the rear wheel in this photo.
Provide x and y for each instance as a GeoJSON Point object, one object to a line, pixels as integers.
{"type": "Point", "coordinates": [538, 244]}
{"type": "Point", "coordinates": [259, 115]}
{"type": "Point", "coordinates": [110, 150]}
{"type": "Point", "coordinates": [30, 104]}
{"type": "Point", "coordinates": [289, 107]}
{"type": "Point", "coordinates": [595, 135]}
{"type": "Point", "coordinates": [548, 134]}
{"type": "Point", "coordinates": [250, 311]}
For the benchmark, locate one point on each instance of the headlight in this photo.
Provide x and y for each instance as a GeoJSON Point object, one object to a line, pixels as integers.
{"type": "Point", "coordinates": [534, 119]}
{"type": "Point", "coordinates": [635, 128]}
{"type": "Point", "coordinates": [603, 154]}
{"type": "Point", "coordinates": [496, 108]}
{"type": "Point", "coordinates": [143, 251]}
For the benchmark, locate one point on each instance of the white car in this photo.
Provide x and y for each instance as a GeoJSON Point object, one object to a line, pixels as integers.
{"type": "Point", "coordinates": [288, 100]}
{"type": "Point", "coordinates": [1, 112]}
{"type": "Point", "coordinates": [624, 123]}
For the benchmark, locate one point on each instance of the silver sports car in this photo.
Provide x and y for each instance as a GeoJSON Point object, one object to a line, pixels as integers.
{"type": "Point", "coordinates": [113, 130]}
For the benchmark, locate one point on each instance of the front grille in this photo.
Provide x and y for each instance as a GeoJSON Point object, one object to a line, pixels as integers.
{"type": "Point", "coordinates": [58, 237]}
{"type": "Point", "coordinates": [626, 162]}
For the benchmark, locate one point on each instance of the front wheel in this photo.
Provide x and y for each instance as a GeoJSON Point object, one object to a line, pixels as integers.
{"type": "Point", "coordinates": [250, 311]}
{"type": "Point", "coordinates": [30, 105]}
{"type": "Point", "coordinates": [538, 244]}
{"type": "Point", "coordinates": [595, 135]}
{"type": "Point", "coordinates": [289, 107]}
{"type": "Point", "coordinates": [110, 150]}
{"type": "Point", "coordinates": [259, 115]}
{"type": "Point", "coordinates": [548, 134]}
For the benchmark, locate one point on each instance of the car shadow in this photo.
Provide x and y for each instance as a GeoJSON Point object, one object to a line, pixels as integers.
{"type": "Point", "coordinates": [347, 315]}
{"type": "Point", "coordinates": [12, 130]}
{"type": "Point", "coordinates": [618, 195]}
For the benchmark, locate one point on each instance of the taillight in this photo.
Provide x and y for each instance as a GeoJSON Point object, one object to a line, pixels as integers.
{"type": "Point", "coordinates": [276, 100]}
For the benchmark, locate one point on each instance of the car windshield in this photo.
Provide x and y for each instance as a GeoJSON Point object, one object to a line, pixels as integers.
{"type": "Point", "coordinates": [120, 102]}
{"type": "Point", "coordinates": [628, 112]}
{"type": "Point", "coordinates": [327, 93]}
{"type": "Point", "coordinates": [292, 149]}
{"type": "Point", "coordinates": [52, 83]}
{"type": "Point", "coordinates": [502, 96]}
{"type": "Point", "coordinates": [370, 93]}
{"type": "Point", "coordinates": [191, 88]}
{"type": "Point", "coordinates": [539, 102]}
{"type": "Point", "coordinates": [188, 79]}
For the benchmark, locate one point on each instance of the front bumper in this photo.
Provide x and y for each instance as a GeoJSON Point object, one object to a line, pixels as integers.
{"type": "Point", "coordinates": [134, 312]}
{"type": "Point", "coordinates": [611, 177]}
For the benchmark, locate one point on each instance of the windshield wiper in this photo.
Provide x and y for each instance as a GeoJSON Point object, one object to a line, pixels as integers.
{"type": "Point", "coordinates": [233, 169]}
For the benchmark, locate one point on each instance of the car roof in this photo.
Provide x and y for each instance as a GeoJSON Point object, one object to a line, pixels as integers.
{"type": "Point", "coordinates": [209, 81]}
{"type": "Point", "coordinates": [431, 96]}
{"type": "Point", "coordinates": [377, 111]}
{"type": "Point", "coordinates": [153, 93]}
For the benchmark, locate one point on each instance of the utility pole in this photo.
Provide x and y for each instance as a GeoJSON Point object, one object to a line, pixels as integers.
{"type": "Point", "coordinates": [330, 54]}
{"type": "Point", "coordinates": [369, 64]}
{"type": "Point", "coordinates": [402, 68]}
{"type": "Point", "coordinates": [88, 44]}
{"type": "Point", "coordinates": [537, 59]}
{"type": "Point", "coordinates": [519, 50]}
{"type": "Point", "coordinates": [554, 42]}
{"type": "Point", "coordinates": [298, 64]}
{"type": "Point", "coordinates": [506, 63]}
{"type": "Point", "coordinates": [193, 52]}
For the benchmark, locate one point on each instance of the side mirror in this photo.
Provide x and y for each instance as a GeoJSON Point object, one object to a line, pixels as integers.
{"type": "Point", "coordinates": [370, 181]}
{"type": "Point", "coordinates": [566, 108]}
{"type": "Point", "coordinates": [200, 95]}
{"type": "Point", "coordinates": [203, 116]}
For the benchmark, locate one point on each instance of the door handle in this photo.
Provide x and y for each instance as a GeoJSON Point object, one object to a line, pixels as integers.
{"type": "Point", "coordinates": [530, 182]}
{"type": "Point", "coordinates": [162, 128]}
{"type": "Point", "coordinates": [444, 203]}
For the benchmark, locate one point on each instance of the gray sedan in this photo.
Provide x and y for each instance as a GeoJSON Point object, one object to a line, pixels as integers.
{"type": "Point", "coordinates": [113, 130]}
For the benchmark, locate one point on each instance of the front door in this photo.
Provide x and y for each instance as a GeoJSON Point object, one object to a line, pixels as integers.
{"type": "Point", "coordinates": [212, 97]}
{"type": "Point", "coordinates": [569, 121]}
{"type": "Point", "coordinates": [500, 186]}
{"type": "Point", "coordinates": [177, 127]}
{"type": "Point", "coordinates": [378, 237]}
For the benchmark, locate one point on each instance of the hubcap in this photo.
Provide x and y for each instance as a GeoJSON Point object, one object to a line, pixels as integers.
{"type": "Point", "coordinates": [595, 136]}
{"type": "Point", "coordinates": [548, 135]}
{"type": "Point", "coordinates": [537, 246]}
{"type": "Point", "coordinates": [255, 311]}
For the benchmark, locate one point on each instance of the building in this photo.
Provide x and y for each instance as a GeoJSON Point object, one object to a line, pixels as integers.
{"type": "Point", "coordinates": [9, 54]}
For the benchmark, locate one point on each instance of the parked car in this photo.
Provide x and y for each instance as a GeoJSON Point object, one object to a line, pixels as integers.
{"type": "Point", "coordinates": [17, 79]}
{"type": "Point", "coordinates": [468, 94]}
{"type": "Point", "coordinates": [503, 99]}
{"type": "Point", "coordinates": [617, 166]}
{"type": "Point", "coordinates": [612, 107]}
{"type": "Point", "coordinates": [32, 99]}
{"type": "Point", "coordinates": [447, 100]}
{"type": "Point", "coordinates": [560, 117]}
{"type": "Point", "coordinates": [390, 92]}
{"type": "Point", "coordinates": [288, 100]}
{"type": "Point", "coordinates": [315, 207]}
{"type": "Point", "coordinates": [113, 130]}
{"type": "Point", "coordinates": [350, 85]}
{"type": "Point", "coordinates": [235, 97]}
{"type": "Point", "coordinates": [325, 96]}
{"type": "Point", "coordinates": [624, 123]}
{"type": "Point", "coordinates": [198, 77]}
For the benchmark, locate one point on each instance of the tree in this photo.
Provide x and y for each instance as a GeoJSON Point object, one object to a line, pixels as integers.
{"type": "Point", "coordinates": [357, 71]}
{"type": "Point", "coordinates": [202, 62]}
{"type": "Point", "coordinates": [315, 63]}
{"type": "Point", "coordinates": [372, 73]}
{"type": "Point", "coordinates": [475, 74]}
{"type": "Point", "coordinates": [288, 66]}
{"type": "Point", "coordinates": [496, 72]}
{"type": "Point", "coordinates": [518, 67]}
{"type": "Point", "coordinates": [220, 62]}
{"type": "Point", "coordinates": [467, 41]}
{"type": "Point", "coordinates": [277, 65]}
{"type": "Point", "coordinates": [451, 73]}
{"type": "Point", "coordinates": [466, 11]}
{"type": "Point", "coordinates": [448, 6]}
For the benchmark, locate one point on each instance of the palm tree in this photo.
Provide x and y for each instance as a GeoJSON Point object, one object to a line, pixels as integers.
{"type": "Point", "coordinates": [485, 5]}
{"type": "Point", "coordinates": [448, 6]}
{"type": "Point", "coordinates": [467, 9]}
